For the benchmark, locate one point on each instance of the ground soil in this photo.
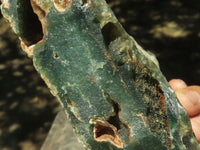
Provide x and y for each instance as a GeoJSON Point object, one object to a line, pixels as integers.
{"type": "Point", "coordinates": [170, 29]}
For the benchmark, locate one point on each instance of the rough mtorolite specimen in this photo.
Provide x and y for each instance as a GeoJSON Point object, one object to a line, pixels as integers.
{"type": "Point", "coordinates": [112, 90]}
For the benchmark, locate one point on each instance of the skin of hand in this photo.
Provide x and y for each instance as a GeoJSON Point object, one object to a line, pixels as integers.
{"type": "Point", "coordinates": [189, 97]}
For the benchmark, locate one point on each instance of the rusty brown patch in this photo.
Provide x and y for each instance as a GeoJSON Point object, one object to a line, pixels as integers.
{"type": "Point", "coordinates": [29, 49]}
{"type": "Point", "coordinates": [62, 5]}
{"type": "Point", "coordinates": [41, 13]}
{"type": "Point", "coordinates": [143, 119]}
{"type": "Point", "coordinates": [156, 115]}
{"type": "Point", "coordinates": [45, 6]}
{"type": "Point", "coordinates": [104, 131]}
{"type": "Point", "coordinates": [93, 78]}
{"type": "Point", "coordinates": [161, 97]}
{"type": "Point", "coordinates": [72, 104]}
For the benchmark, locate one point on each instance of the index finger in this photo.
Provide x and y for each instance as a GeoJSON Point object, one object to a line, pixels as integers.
{"type": "Point", "coordinates": [189, 97]}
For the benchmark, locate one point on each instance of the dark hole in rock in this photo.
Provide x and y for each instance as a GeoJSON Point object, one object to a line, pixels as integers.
{"type": "Point", "coordinates": [114, 120]}
{"type": "Point", "coordinates": [30, 27]}
{"type": "Point", "coordinates": [102, 130]}
{"type": "Point", "coordinates": [110, 32]}
{"type": "Point", "coordinates": [110, 129]}
{"type": "Point", "coordinates": [55, 55]}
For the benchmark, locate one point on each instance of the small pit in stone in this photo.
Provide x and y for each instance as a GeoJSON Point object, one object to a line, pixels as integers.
{"type": "Point", "coordinates": [55, 55]}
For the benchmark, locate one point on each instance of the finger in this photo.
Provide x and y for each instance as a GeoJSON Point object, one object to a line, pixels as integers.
{"type": "Point", "coordinates": [195, 121]}
{"type": "Point", "coordinates": [194, 88]}
{"type": "Point", "coordinates": [190, 100]}
{"type": "Point", "coordinates": [177, 84]}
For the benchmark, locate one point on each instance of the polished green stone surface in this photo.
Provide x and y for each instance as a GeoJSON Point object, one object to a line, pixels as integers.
{"type": "Point", "coordinates": [112, 90]}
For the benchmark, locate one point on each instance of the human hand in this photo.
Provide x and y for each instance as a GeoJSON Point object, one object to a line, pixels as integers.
{"type": "Point", "coordinates": [189, 97]}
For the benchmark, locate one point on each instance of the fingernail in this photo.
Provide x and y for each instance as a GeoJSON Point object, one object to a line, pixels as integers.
{"type": "Point", "coordinates": [193, 96]}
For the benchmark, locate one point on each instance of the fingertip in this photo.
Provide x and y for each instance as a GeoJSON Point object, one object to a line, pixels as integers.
{"type": "Point", "coordinates": [195, 121]}
{"type": "Point", "coordinates": [190, 100]}
{"type": "Point", "coordinates": [194, 88]}
{"type": "Point", "coordinates": [177, 84]}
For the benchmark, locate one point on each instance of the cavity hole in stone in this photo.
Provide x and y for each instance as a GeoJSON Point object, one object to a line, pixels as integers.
{"type": "Point", "coordinates": [109, 130]}
{"type": "Point", "coordinates": [30, 27]}
{"type": "Point", "coordinates": [114, 120]}
{"type": "Point", "coordinates": [110, 32]}
{"type": "Point", "coordinates": [55, 55]}
{"type": "Point", "coordinates": [102, 130]}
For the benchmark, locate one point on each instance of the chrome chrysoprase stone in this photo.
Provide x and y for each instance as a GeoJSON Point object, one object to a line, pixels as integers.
{"type": "Point", "coordinates": [112, 90]}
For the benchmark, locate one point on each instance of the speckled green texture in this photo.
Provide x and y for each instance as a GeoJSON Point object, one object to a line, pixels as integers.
{"type": "Point", "coordinates": [108, 85]}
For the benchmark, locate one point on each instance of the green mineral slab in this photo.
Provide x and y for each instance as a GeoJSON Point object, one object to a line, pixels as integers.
{"type": "Point", "coordinates": [112, 90]}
